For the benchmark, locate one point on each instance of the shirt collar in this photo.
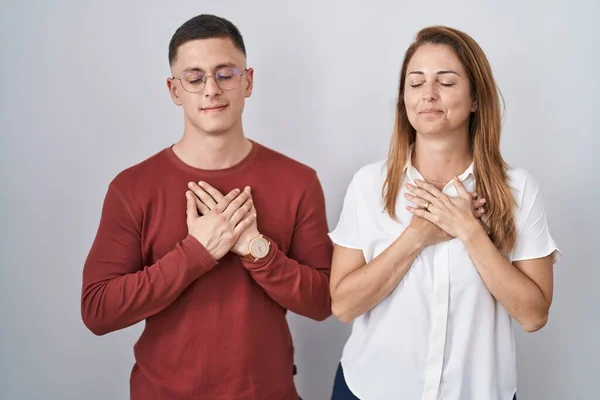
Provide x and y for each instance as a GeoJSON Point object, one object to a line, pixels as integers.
{"type": "Point", "coordinates": [412, 173]}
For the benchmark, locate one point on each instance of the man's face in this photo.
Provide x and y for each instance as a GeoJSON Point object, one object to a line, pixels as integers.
{"type": "Point", "coordinates": [212, 84]}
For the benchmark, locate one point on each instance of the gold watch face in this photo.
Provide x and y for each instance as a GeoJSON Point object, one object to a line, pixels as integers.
{"type": "Point", "coordinates": [259, 247]}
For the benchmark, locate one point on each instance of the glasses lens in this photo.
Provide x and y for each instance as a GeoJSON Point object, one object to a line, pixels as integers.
{"type": "Point", "coordinates": [228, 78]}
{"type": "Point", "coordinates": [193, 81]}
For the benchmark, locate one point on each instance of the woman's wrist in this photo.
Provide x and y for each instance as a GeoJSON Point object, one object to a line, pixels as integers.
{"type": "Point", "coordinates": [471, 231]}
{"type": "Point", "coordinates": [413, 238]}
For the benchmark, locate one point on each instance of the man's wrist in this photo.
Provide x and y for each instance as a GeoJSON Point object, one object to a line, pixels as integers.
{"type": "Point", "coordinates": [242, 246]}
{"type": "Point", "coordinates": [257, 248]}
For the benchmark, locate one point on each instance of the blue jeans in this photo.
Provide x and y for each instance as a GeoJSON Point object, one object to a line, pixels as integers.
{"type": "Point", "coordinates": [341, 390]}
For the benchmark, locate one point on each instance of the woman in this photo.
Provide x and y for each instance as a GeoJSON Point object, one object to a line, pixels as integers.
{"type": "Point", "coordinates": [432, 291]}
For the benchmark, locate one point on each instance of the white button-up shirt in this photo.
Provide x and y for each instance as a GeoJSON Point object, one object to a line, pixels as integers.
{"type": "Point", "coordinates": [440, 334]}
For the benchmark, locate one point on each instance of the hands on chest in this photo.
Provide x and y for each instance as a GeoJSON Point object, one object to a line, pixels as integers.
{"type": "Point", "coordinates": [221, 222]}
{"type": "Point", "coordinates": [441, 217]}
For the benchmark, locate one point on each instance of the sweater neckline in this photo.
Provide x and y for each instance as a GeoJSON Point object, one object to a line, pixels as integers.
{"type": "Point", "coordinates": [244, 163]}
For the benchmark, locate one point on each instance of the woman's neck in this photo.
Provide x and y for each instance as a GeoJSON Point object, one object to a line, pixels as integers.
{"type": "Point", "coordinates": [439, 160]}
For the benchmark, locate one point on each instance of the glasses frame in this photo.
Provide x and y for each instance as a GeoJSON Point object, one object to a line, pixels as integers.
{"type": "Point", "coordinates": [242, 73]}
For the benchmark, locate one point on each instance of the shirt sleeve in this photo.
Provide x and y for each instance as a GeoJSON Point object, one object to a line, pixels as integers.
{"type": "Point", "coordinates": [299, 281]}
{"type": "Point", "coordinates": [346, 233]}
{"type": "Point", "coordinates": [534, 239]}
{"type": "Point", "coordinates": [118, 290]}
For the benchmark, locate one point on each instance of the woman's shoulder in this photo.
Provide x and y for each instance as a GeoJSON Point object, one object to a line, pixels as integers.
{"type": "Point", "coordinates": [367, 182]}
{"type": "Point", "coordinates": [523, 185]}
{"type": "Point", "coordinates": [520, 179]}
{"type": "Point", "coordinates": [518, 175]}
{"type": "Point", "coordinates": [372, 172]}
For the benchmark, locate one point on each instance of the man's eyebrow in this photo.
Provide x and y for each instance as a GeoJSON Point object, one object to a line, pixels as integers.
{"type": "Point", "coordinates": [219, 66]}
{"type": "Point", "coordinates": [226, 65]}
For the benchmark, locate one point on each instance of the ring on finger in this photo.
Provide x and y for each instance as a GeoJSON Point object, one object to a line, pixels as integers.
{"type": "Point", "coordinates": [426, 205]}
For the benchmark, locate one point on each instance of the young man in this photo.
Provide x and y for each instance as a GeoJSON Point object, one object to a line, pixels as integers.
{"type": "Point", "coordinates": [213, 277]}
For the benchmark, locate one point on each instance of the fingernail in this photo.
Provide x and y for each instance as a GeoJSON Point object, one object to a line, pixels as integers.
{"type": "Point", "coordinates": [483, 200]}
{"type": "Point", "coordinates": [236, 190]}
{"type": "Point", "coordinates": [190, 184]}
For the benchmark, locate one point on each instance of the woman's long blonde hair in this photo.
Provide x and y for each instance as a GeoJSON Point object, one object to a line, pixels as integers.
{"type": "Point", "coordinates": [484, 135]}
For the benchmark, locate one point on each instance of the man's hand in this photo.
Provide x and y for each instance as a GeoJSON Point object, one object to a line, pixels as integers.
{"type": "Point", "coordinates": [220, 228]}
{"type": "Point", "coordinates": [207, 198]}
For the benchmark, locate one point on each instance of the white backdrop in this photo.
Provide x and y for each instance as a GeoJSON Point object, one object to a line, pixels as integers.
{"type": "Point", "coordinates": [82, 96]}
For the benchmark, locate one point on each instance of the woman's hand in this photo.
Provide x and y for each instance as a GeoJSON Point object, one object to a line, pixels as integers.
{"type": "Point", "coordinates": [456, 216]}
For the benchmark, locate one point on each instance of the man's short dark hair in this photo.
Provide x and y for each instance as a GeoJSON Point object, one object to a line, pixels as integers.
{"type": "Point", "coordinates": [205, 26]}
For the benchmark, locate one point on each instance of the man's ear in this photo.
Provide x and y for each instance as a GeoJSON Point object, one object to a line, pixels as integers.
{"type": "Point", "coordinates": [249, 82]}
{"type": "Point", "coordinates": [174, 91]}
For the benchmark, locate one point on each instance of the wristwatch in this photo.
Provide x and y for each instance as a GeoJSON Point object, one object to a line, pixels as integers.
{"type": "Point", "coordinates": [258, 248]}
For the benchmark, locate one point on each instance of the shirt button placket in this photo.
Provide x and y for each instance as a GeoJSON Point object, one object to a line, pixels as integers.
{"type": "Point", "coordinates": [437, 338]}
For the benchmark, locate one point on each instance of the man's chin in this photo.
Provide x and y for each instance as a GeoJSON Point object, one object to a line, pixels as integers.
{"type": "Point", "coordinates": [216, 130]}
{"type": "Point", "coordinates": [213, 129]}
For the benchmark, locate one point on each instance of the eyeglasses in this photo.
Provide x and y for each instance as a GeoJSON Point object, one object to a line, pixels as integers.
{"type": "Point", "coordinates": [227, 78]}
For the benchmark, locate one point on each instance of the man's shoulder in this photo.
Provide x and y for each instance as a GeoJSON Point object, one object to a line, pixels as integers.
{"type": "Point", "coordinates": [284, 164]}
{"type": "Point", "coordinates": [142, 171]}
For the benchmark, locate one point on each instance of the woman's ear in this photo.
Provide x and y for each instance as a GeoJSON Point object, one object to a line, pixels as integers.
{"type": "Point", "coordinates": [474, 106]}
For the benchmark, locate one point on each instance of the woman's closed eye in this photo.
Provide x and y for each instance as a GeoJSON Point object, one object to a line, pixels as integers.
{"type": "Point", "coordinates": [445, 84]}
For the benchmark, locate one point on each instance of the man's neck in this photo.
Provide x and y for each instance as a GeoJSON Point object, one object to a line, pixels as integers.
{"type": "Point", "coordinates": [438, 160]}
{"type": "Point", "coordinates": [212, 152]}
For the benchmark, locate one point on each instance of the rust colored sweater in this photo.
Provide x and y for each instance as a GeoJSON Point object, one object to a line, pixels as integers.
{"type": "Point", "coordinates": [213, 329]}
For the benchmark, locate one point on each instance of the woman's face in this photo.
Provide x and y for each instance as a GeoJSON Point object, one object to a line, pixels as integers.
{"type": "Point", "coordinates": [437, 92]}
